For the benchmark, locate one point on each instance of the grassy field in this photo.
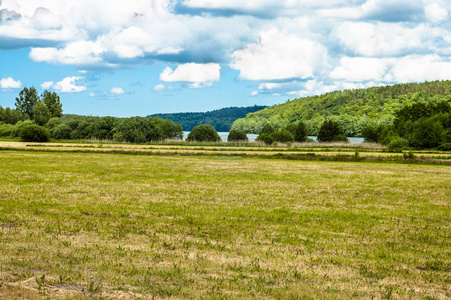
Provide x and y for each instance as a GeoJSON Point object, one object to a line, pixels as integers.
{"type": "Point", "coordinates": [105, 225]}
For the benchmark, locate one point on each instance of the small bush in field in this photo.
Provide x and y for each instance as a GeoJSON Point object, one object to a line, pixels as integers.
{"type": "Point", "coordinates": [34, 133]}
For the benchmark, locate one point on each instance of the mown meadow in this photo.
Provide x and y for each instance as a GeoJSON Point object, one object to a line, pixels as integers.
{"type": "Point", "coordinates": [115, 225]}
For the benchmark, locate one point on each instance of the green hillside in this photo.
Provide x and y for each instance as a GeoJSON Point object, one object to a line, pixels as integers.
{"type": "Point", "coordinates": [353, 109]}
{"type": "Point", "coordinates": [220, 119]}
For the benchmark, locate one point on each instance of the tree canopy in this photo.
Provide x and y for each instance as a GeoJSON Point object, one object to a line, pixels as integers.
{"type": "Point", "coordinates": [352, 109]}
{"type": "Point", "coordinates": [26, 101]}
{"type": "Point", "coordinates": [419, 125]}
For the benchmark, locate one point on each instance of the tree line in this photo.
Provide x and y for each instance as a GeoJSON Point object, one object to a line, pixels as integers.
{"type": "Point", "coordinates": [221, 119]}
{"type": "Point", "coordinates": [40, 117]}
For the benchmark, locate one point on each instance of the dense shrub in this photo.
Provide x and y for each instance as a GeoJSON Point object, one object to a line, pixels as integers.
{"type": "Point", "coordinates": [6, 129]}
{"type": "Point", "coordinates": [445, 147]}
{"type": "Point", "coordinates": [83, 130]}
{"type": "Point", "coordinates": [282, 136]}
{"type": "Point", "coordinates": [62, 132]}
{"type": "Point", "coordinates": [19, 125]}
{"type": "Point", "coordinates": [340, 138]}
{"type": "Point", "coordinates": [204, 133]}
{"type": "Point", "coordinates": [34, 133]}
{"type": "Point", "coordinates": [266, 138]}
{"type": "Point", "coordinates": [236, 135]}
{"type": "Point", "coordinates": [398, 144]}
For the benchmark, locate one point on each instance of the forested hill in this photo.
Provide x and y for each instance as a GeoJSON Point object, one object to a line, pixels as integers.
{"type": "Point", "coordinates": [353, 109]}
{"type": "Point", "coordinates": [221, 119]}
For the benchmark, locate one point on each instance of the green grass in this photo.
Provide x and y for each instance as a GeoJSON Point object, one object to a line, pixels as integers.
{"type": "Point", "coordinates": [221, 227]}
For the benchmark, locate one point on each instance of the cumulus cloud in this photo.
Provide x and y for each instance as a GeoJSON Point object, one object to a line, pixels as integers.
{"type": "Point", "coordinates": [383, 39]}
{"type": "Point", "coordinates": [69, 85]}
{"type": "Point", "coordinates": [279, 55]}
{"type": "Point", "coordinates": [9, 83]}
{"type": "Point", "coordinates": [198, 75]}
{"type": "Point", "coordinates": [117, 91]}
{"type": "Point", "coordinates": [360, 69]}
{"type": "Point", "coordinates": [415, 68]}
{"type": "Point", "coordinates": [435, 12]}
{"type": "Point", "coordinates": [77, 53]}
{"type": "Point", "coordinates": [286, 46]}
{"type": "Point", "coordinates": [47, 85]}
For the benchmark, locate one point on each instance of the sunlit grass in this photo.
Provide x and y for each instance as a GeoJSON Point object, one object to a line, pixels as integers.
{"type": "Point", "coordinates": [221, 227]}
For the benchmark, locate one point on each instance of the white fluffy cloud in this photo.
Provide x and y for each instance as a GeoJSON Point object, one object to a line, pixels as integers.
{"type": "Point", "coordinates": [117, 91]}
{"type": "Point", "coordinates": [322, 43]}
{"type": "Point", "coordinates": [76, 53]}
{"type": "Point", "coordinates": [384, 39]}
{"type": "Point", "coordinates": [280, 55]}
{"type": "Point", "coordinates": [435, 12]}
{"type": "Point", "coordinates": [416, 68]}
{"type": "Point", "coordinates": [9, 83]}
{"type": "Point", "coordinates": [360, 69]}
{"type": "Point", "coordinates": [67, 85]}
{"type": "Point", "coordinates": [198, 75]}
{"type": "Point", "coordinates": [46, 85]}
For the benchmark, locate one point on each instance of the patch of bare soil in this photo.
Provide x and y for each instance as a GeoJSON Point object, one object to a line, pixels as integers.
{"type": "Point", "coordinates": [48, 288]}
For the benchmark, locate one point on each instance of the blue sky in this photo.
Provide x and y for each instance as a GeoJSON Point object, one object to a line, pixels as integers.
{"type": "Point", "coordinates": [127, 58]}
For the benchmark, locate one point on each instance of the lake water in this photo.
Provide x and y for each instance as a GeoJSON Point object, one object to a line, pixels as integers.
{"type": "Point", "coordinates": [252, 137]}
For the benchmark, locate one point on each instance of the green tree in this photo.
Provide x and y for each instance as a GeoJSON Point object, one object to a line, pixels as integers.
{"type": "Point", "coordinates": [138, 130]}
{"type": "Point", "coordinates": [84, 130]}
{"type": "Point", "coordinates": [203, 133]}
{"type": "Point", "coordinates": [428, 133]}
{"type": "Point", "coordinates": [26, 101]}
{"type": "Point", "coordinates": [53, 103]}
{"type": "Point", "coordinates": [41, 113]}
{"type": "Point", "coordinates": [11, 116]}
{"type": "Point", "coordinates": [301, 132]}
{"type": "Point", "coordinates": [52, 123]}
{"type": "Point", "coordinates": [291, 128]}
{"type": "Point", "coordinates": [330, 131]}
{"type": "Point", "coordinates": [104, 128]}
{"type": "Point", "coordinates": [169, 129]}
{"type": "Point", "coordinates": [267, 129]}
{"type": "Point", "coordinates": [237, 136]}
